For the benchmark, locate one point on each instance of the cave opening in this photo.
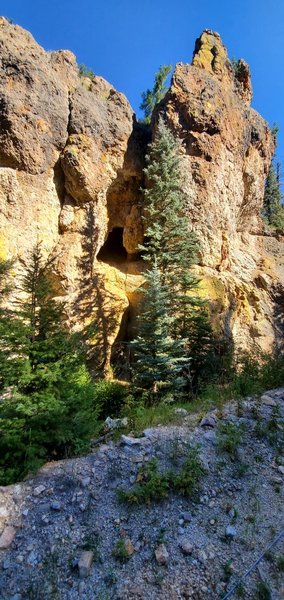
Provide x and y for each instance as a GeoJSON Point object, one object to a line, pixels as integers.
{"type": "Point", "coordinates": [113, 250]}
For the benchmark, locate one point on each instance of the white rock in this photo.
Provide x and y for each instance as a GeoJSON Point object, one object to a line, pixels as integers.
{"type": "Point", "coordinates": [39, 490]}
{"type": "Point", "coordinates": [267, 400]}
{"type": "Point", "coordinates": [209, 421]}
{"type": "Point", "coordinates": [85, 563]}
{"type": "Point", "coordinates": [131, 441]}
{"type": "Point", "coordinates": [7, 537]}
{"type": "Point", "coordinates": [162, 555]}
{"type": "Point", "coordinates": [186, 546]}
{"type": "Point", "coordinates": [116, 423]}
{"type": "Point", "coordinates": [181, 411]}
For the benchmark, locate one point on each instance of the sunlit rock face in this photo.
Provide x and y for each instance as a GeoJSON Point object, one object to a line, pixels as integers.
{"type": "Point", "coordinates": [71, 171]}
{"type": "Point", "coordinates": [228, 149]}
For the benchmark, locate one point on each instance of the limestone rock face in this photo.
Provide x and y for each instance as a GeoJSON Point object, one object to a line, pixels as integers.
{"type": "Point", "coordinates": [227, 152]}
{"type": "Point", "coordinates": [71, 170]}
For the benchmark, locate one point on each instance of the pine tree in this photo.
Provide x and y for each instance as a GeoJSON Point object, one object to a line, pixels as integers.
{"type": "Point", "coordinates": [170, 250]}
{"type": "Point", "coordinates": [49, 410]}
{"type": "Point", "coordinates": [273, 211]}
{"type": "Point", "coordinates": [158, 363]}
{"type": "Point", "coordinates": [151, 98]}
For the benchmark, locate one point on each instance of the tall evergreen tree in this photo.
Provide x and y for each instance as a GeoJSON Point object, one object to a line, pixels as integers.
{"type": "Point", "coordinates": [49, 408]}
{"type": "Point", "coordinates": [151, 98]}
{"type": "Point", "coordinates": [170, 250]}
{"type": "Point", "coordinates": [158, 360]}
{"type": "Point", "coordinates": [273, 210]}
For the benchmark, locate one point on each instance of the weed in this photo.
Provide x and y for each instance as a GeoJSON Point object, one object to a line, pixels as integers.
{"type": "Point", "coordinates": [85, 71]}
{"type": "Point", "coordinates": [110, 578]}
{"type": "Point", "coordinates": [240, 590]}
{"type": "Point", "coordinates": [230, 437]}
{"type": "Point", "coordinates": [228, 570]}
{"type": "Point", "coordinates": [240, 469]}
{"type": "Point", "coordinates": [120, 553]}
{"type": "Point", "coordinates": [91, 542]}
{"type": "Point", "coordinates": [280, 562]}
{"type": "Point", "coordinates": [161, 537]}
{"type": "Point", "coordinates": [156, 486]}
{"type": "Point", "coordinates": [269, 556]}
{"type": "Point", "coordinates": [263, 591]}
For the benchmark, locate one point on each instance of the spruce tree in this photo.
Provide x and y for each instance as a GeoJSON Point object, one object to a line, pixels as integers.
{"type": "Point", "coordinates": [158, 361]}
{"type": "Point", "coordinates": [48, 409]}
{"type": "Point", "coordinates": [170, 249]}
{"type": "Point", "coordinates": [273, 211]}
{"type": "Point", "coordinates": [151, 98]}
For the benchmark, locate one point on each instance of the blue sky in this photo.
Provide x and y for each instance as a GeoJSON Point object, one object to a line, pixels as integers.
{"type": "Point", "coordinates": [126, 41]}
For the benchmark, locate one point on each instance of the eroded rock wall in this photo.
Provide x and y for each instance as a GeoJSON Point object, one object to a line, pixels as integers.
{"type": "Point", "coordinates": [228, 149]}
{"type": "Point", "coordinates": [71, 169]}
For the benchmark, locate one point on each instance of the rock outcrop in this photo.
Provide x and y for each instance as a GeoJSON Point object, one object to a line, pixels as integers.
{"type": "Point", "coordinates": [71, 169]}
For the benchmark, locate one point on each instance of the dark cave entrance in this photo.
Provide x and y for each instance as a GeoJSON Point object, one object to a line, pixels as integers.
{"type": "Point", "coordinates": [113, 250]}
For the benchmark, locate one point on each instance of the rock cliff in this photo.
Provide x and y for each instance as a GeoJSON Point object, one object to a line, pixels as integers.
{"type": "Point", "coordinates": [71, 169]}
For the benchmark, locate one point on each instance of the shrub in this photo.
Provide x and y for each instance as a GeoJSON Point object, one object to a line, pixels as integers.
{"type": "Point", "coordinates": [110, 398]}
{"type": "Point", "coordinates": [85, 71]}
{"type": "Point", "coordinates": [230, 437]}
{"type": "Point", "coordinates": [154, 486]}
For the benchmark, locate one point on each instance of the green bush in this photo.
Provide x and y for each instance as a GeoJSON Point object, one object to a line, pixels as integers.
{"type": "Point", "coordinates": [46, 425]}
{"type": "Point", "coordinates": [85, 71]}
{"type": "Point", "coordinates": [230, 437]}
{"type": "Point", "coordinates": [154, 485]}
{"type": "Point", "coordinates": [110, 398]}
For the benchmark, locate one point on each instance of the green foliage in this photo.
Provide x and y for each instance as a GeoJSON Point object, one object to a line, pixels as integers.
{"type": "Point", "coordinates": [110, 398]}
{"type": "Point", "coordinates": [85, 71]}
{"type": "Point", "coordinates": [48, 409]}
{"type": "Point", "coordinates": [280, 562]}
{"type": "Point", "coordinates": [155, 486]}
{"type": "Point", "coordinates": [263, 591]}
{"type": "Point", "coordinates": [158, 362]}
{"type": "Point", "coordinates": [120, 552]}
{"type": "Point", "coordinates": [230, 437]}
{"type": "Point", "coordinates": [236, 66]}
{"type": "Point", "coordinates": [174, 333]}
{"type": "Point", "coordinates": [273, 210]}
{"type": "Point", "coordinates": [151, 98]}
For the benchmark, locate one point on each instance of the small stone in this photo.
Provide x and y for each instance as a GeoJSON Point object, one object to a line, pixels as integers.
{"type": "Point", "coordinates": [267, 400]}
{"type": "Point", "coordinates": [129, 547]}
{"type": "Point", "coordinates": [162, 555]}
{"type": "Point", "coordinates": [85, 482]}
{"type": "Point", "coordinates": [32, 559]}
{"type": "Point", "coordinates": [182, 412]}
{"type": "Point", "coordinates": [116, 423]}
{"type": "Point", "coordinates": [209, 421]}
{"type": "Point", "coordinates": [19, 559]}
{"type": "Point", "coordinates": [186, 517]}
{"type": "Point", "coordinates": [7, 537]}
{"type": "Point", "coordinates": [181, 530]}
{"type": "Point", "coordinates": [231, 532]}
{"type": "Point", "coordinates": [212, 521]}
{"type": "Point", "coordinates": [85, 563]}
{"type": "Point", "coordinates": [6, 564]}
{"type": "Point", "coordinates": [211, 504]}
{"type": "Point", "coordinates": [281, 469]}
{"type": "Point", "coordinates": [181, 521]}
{"type": "Point", "coordinates": [132, 479]}
{"type": "Point", "coordinates": [131, 441]}
{"type": "Point", "coordinates": [186, 547]}
{"type": "Point", "coordinates": [56, 505]}
{"type": "Point", "coordinates": [39, 490]}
